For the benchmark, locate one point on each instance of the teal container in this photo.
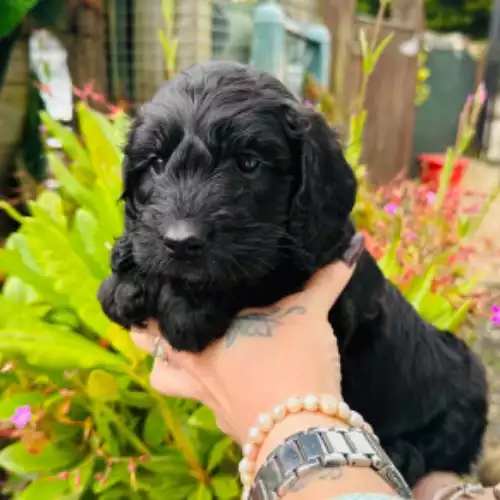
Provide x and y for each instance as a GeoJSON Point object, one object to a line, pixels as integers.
{"type": "Point", "coordinates": [452, 79]}
{"type": "Point", "coordinates": [288, 48]}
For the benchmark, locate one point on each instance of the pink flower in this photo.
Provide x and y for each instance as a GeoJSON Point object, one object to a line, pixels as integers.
{"type": "Point", "coordinates": [495, 316]}
{"type": "Point", "coordinates": [22, 416]}
{"type": "Point", "coordinates": [431, 197]}
{"type": "Point", "coordinates": [391, 208]}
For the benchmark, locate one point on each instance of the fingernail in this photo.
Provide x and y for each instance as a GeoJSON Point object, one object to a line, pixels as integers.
{"type": "Point", "coordinates": [356, 247]}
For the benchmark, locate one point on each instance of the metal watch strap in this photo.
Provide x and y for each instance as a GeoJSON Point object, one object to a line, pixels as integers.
{"type": "Point", "coordinates": [319, 448]}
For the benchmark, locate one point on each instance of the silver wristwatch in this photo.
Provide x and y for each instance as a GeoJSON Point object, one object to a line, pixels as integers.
{"type": "Point", "coordinates": [317, 449]}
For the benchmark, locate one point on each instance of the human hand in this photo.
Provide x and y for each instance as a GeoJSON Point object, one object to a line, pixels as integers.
{"type": "Point", "coordinates": [267, 356]}
{"type": "Point", "coordinates": [438, 485]}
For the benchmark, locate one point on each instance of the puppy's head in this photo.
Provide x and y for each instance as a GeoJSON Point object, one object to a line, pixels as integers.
{"type": "Point", "coordinates": [226, 175]}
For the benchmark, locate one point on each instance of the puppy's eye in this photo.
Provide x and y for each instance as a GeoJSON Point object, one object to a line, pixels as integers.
{"type": "Point", "coordinates": [248, 165]}
{"type": "Point", "coordinates": [157, 165]}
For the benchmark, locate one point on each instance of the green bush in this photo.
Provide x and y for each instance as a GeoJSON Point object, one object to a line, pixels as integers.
{"type": "Point", "coordinates": [87, 423]}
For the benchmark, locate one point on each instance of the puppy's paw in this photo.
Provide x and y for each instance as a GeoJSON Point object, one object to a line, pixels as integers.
{"type": "Point", "coordinates": [191, 324]}
{"type": "Point", "coordinates": [123, 301]}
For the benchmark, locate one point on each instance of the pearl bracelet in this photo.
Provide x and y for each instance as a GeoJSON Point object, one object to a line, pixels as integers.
{"type": "Point", "coordinates": [326, 404]}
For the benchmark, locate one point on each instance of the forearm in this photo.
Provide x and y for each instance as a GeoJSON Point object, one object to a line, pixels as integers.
{"type": "Point", "coordinates": [327, 483]}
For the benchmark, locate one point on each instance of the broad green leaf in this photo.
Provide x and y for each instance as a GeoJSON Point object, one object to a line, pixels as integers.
{"type": "Point", "coordinates": [52, 204]}
{"type": "Point", "coordinates": [202, 493]}
{"type": "Point", "coordinates": [82, 475]}
{"type": "Point", "coordinates": [46, 488]}
{"type": "Point", "coordinates": [105, 432]}
{"type": "Point", "coordinates": [170, 464]}
{"type": "Point", "coordinates": [9, 402]}
{"type": "Point", "coordinates": [118, 474]}
{"type": "Point", "coordinates": [137, 399]}
{"type": "Point", "coordinates": [18, 292]}
{"type": "Point", "coordinates": [52, 347]}
{"type": "Point", "coordinates": [16, 459]}
{"type": "Point", "coordinates": [424, 287]}
{"type": "Point", "coordinates": [13, 264]}
{"type": "Point", "coordinates": [122, 341]}
{"type": "Point", "coordinates": [225, 487]}
{"type": "Point", "coordinates": [453, 322]}
{"type": "Point", "coordinates": [219, 453]}
{"type": "Point", "coordinates": [13, 12]}
{"type": "Point", "coordinates": [69, 142]}
{"type": "Point", "coordinates": [203, 418]}
{"type": "Point", "coordinates": [100, 139]}
{"type": "Point", "coordinates": [102, 386]}
{"type": "Point", "coordinates": [70, 184]}
{"type": "Point", "coordinates": [155, 429]}
{"type": "Point", "coordinates": [87, 236]}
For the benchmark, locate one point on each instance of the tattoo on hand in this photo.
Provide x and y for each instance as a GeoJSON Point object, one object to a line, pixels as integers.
{"type": "Point", "coordinates": [330, 474]}
{"type": "Point", "coordinates": [260, 324]}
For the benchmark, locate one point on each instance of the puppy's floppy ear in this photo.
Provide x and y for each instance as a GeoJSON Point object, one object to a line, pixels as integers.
{"type": "Point", "coordinates": [319, 213]}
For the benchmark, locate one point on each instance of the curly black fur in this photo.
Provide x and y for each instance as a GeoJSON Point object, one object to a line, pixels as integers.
{"type": "Point", "coordinates": [265, 183]}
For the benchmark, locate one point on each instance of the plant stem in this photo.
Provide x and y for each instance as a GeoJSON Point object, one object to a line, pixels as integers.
{"type": "Point", "coordinates": [124, 430]}
{"type": "Point", "coordinates": [175, 429]}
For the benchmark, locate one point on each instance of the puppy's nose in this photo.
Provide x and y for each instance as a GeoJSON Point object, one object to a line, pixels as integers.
{"type": "Point", "coordinates": [184, 239]}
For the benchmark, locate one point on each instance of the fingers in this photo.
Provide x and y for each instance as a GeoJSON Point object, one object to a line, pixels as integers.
{"type": "Point", "coordinates": [326, 285]}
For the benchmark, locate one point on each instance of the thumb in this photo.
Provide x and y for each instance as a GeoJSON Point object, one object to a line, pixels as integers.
{"type": "Point", "coordinates": [326, 285]}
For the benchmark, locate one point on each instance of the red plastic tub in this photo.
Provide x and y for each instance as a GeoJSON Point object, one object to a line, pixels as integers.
{"type": "Point", "coordinates": [432, 165]}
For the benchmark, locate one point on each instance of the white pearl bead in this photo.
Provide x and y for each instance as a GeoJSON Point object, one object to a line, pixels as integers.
{"type": "Point", "coordinates": [278, 413]}
{"type": "Point", "coordinates": [294, 404]}
{"type": "Point", "coordinates": [367, 427]}
{"type": "Point", "coordinates": [246, 466]}
{"type": "Point", "coordinates": [328, 405]}
{"type": "Point", "coordinates": [249, 450]}
{"type": "Point", "coordinates": [343, 410]}
{"type": "Point", "coordinates": [255, 435]}
{"type": "Point", "coordinates": [311, 402]}
{"type": "Point", "coordinates": [265, 422]}
{"type": "Point", "coordinates": [356, 420]}
{"type": "Point", "coordinates": [246, 479]}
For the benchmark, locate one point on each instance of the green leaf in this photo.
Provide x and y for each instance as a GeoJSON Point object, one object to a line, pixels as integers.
{"type": "Point", "coordinates": [202, 493]}
{"type": "Point", "coordinates": [379, 50]}
{"type": "Point", "coordinates": [45, 488]}
{"type": "Point", "coordinates": [424, 287]}
{"type": "Point", "coordinates": [454, 322]}
{"type": "Point", "coordinates": [70, 184]}
{"type": "Point", "coordinates": [225, 487]}
{"type": "Point", "coordinates": [102, 386]}
{"type": "Point", "coordinates": [105, 432]}
{"type": "Point", "coordinates": [69, 142]}
{"type": "Point", "coordinates": [204, 418]}
{"type": "Point", "coordinates": [13, 12]}
{"type": "Point", "coordinates": [9, 402]}
{"type": "Point", "coordinates": [155, 429]}
{"type": "Point", "coordinates": [170, 464]}
{"type": "Point", "coordinates": [50, 346]}
{"type": "Point", "coordinates": [118, 474]}
{"type": "Point", "coordinates": [52, 204]}
{"type": "Point", "coordinates": [137, 399]}
{"type": "Point", "coordinates": [16, 459]}
{"type": "Point", "coordinates": [219, 453]}
{"type": "Point", "coordinates": [12, 264]}
{"type": "Point", "coordinates": [82, 475]}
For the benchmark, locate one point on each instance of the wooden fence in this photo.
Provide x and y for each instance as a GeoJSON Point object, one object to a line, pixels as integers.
{"type": "Point", "coordinates": [391, 91]}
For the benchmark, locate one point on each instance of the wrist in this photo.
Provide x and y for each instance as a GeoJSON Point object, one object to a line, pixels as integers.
{"type": "Point", "coordinates": [292, 424]}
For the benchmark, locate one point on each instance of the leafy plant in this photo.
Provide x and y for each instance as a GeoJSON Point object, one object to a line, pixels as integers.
{"type": "Point", "coordinates": [76, 400]}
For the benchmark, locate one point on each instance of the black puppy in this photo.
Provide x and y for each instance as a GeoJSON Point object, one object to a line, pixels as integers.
{"type": "Point", "coordinates": [235, 194]}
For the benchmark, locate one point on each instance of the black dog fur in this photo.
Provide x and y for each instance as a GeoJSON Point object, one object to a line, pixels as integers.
{"type": "Point", "coordinates": [264, 181]}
